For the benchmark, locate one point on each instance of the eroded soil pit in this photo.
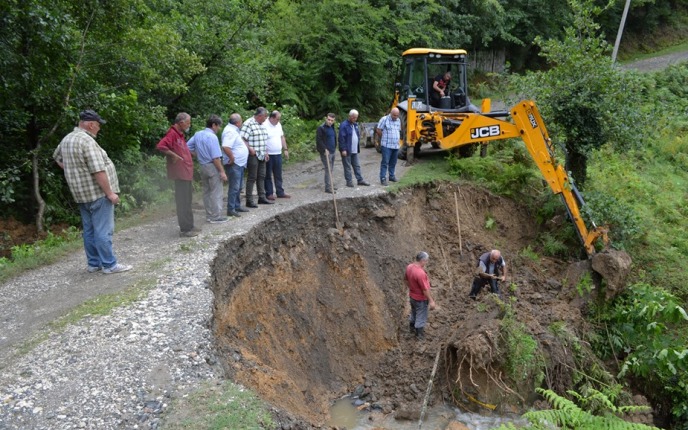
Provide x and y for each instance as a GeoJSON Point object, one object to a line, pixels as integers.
{"type": "Point", "coordinates": [305, 312]}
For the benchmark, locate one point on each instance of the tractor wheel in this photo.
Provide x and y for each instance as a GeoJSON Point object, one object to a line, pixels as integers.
{"type": "Point", "coordinates": [404, 152]}
{"type": "Point", "coordinates": [401, 155]}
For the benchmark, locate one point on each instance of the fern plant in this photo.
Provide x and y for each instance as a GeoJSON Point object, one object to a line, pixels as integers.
{"type": "Point", "coordinates": [566, 414]}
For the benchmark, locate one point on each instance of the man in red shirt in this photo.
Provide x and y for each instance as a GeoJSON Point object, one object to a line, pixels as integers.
{"type": "Point", "coordinates": [180, 170]}
{"type": "Point", "coordinates": [416, 279]}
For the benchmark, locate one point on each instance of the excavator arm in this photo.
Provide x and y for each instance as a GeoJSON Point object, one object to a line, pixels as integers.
{"type": "Point", "coordinates": [528, 125]}
{"type": "Point", "coordinates": [533, 132]}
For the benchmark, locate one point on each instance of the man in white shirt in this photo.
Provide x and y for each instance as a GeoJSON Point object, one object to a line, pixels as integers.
{"type": "Point", "coordinates": [235, 158]}
{"type": "Point", "coordinates": [276, 143]}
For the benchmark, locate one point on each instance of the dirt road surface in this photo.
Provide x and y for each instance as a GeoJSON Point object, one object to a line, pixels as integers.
{"type": "Point", "coordinates": [657, 63]}
{"type": "Point", "coordinates": [112, 371]}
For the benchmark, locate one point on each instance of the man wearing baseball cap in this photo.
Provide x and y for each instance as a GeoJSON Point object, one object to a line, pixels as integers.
{"type": "Point", "coordinates": [92, 180]}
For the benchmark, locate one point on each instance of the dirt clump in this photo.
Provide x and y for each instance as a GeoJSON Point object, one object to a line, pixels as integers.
{"type": "Point", "coordinates": [614, 267]}
{"type": "Point", "coordinates": [305, 313]}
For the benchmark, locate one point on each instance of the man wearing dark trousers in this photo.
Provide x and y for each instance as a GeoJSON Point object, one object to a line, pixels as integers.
{"type": "Point", "coordinates": [490, 270]}
{"type": "Point", "coordinates": [416, 279]}
{"type": "Point", "coordinates": [326, 145]}
{"type": "Point", "coordinates": [235, 158]}
{"type": "Point", "coordinates": [349, 149]}
{"type": "Point", "coordinates": [180, 170]}
{"type": "Point", "coordinates": [276, 145]}
{"type": "Point", "coordinates": [256, 137]}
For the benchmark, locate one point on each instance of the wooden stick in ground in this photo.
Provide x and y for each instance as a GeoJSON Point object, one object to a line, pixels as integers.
{"type": "Point", "coordinates": [470, 212]}
{"type": "Point", "coordinates": [334, 199]}
{"type": "Point", "coordinates": [429, 390]}
{"type": "Point", "coordinates": [458, 222]}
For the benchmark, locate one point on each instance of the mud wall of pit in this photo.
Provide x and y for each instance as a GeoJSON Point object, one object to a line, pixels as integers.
{"type": "Point", "coordinates": [304, 311]}
{"type": "Point", "coordinates": [303, 308]}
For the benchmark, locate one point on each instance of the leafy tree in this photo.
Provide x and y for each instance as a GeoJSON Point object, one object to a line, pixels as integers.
{"type": "Point", "coordinates": [62, 57]}
{"type": "Point", "coordinates": [335, 59]}
{"type": "Point", "coordinates": [585, 100]}
{"type": "Point", "coordinates": [228, 38]}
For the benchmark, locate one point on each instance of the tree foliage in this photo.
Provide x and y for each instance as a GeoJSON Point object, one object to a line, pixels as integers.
{"type": "Point", "coordinates": [587, 101]}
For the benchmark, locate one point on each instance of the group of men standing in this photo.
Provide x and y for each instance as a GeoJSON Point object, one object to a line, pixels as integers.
{"type": "Point", "coordinates": [255, 146]}
{"type": "Point", "coordinates": [348, 137]}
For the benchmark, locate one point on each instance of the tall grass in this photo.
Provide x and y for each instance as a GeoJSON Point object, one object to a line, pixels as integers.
{"type": "Point", "coordinates": [654, 185]}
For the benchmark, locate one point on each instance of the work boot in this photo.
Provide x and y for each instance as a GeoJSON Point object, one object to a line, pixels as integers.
{"type": "Point", "coordinates": [251, 204]}
{"type": "Point", "coordinates": [420, 333]}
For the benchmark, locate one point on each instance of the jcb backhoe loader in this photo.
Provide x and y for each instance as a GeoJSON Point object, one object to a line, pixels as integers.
{"type": "Point", "coordinates": [451, 122]}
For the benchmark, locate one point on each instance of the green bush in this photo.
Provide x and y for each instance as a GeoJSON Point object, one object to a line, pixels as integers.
{"type": "Point", "coordinates": [527, 253]}
{"type": "Point", "coordinates": [299, 133]}
{"type": "Point", "coordinates": [621, 218]}
{"type": "Point", "coordinates": [504, 172]}
{"type": "Point", "coordinates": [142, 180]}
{"type": "Point", "coordinates": [553, 245]}
{"type": "Point", "coordinates": [648, 328]}
{"type": "Point", "coordinates": [596, 411]}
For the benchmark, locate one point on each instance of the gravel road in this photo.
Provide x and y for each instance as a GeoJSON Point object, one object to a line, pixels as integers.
{"type": "Point", "coordinates": [120, 371]}
{"type": "Point", "coordinates": [657, 63]}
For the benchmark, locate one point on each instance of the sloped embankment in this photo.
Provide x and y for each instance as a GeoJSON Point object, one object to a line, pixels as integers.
{"type": "Point", "coordinates": [305, 312]}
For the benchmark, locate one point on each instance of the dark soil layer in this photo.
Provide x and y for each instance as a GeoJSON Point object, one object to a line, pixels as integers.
{"type": "Point", "coordinates": [306, 312]}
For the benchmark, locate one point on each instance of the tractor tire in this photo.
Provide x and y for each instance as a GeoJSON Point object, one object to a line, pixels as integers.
{"type": "Point", "coordinates": [403, 150]}
{"type": "Point", "coordinates": [404, 154]}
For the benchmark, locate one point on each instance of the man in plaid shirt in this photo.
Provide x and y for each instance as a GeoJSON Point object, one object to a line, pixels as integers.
{"type": "Point", "coordinates": [389, 128]}
{"type": "Point", "coordinates": [92, 180]}
{"type": "Point", "coordinates": [256, 137]}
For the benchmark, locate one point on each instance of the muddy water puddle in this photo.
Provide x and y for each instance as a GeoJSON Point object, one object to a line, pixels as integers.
{"type": "Point", "coordinates": [345, 414]}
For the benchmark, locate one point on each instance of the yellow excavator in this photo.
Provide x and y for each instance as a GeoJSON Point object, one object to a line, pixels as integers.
{"type": "Point", "coordinates": [446, 119]}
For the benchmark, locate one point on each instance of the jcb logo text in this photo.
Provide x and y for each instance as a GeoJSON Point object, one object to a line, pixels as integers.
{"type": "Point", "coordinates": [488, 131]}
{"type": "Point", "coordinates": [532, 120]}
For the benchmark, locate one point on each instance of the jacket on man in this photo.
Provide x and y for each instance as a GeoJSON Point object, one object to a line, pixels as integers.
{"type": "Point", "coordinates": [321, 139]}
{"type": "Point", "coordinates": [345, 135]}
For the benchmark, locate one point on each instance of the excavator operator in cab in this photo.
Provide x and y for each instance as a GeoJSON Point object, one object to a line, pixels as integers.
{"type": "Point", "coordinates": [440, 85]}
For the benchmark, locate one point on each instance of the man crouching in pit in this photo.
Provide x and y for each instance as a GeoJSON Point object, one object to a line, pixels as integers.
{"type": "Point", "coordinates": [416, 279]}
{"type": "Point", "coordinates": [490, 270]}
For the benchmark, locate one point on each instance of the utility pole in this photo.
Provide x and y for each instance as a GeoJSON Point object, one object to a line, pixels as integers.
{"type": "Point", "coordinates": [621, 27]}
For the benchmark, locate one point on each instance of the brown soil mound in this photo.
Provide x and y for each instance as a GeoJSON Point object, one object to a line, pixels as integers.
{"type": "Point", "coordinates": [305, 313]}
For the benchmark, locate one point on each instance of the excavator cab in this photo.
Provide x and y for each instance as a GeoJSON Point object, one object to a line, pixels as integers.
{"type": "Point", "coordinates": [422, 67]}
{"type": "Point", "coordinates": [427, 115]}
